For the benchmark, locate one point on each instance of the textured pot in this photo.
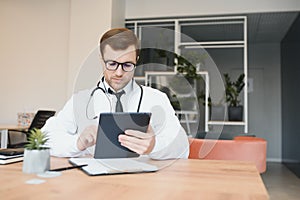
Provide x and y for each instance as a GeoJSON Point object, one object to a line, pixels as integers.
{"type": "Point", "coordinates": [36, 161]}
{"type": "Point", "coordinates": [235, 113]}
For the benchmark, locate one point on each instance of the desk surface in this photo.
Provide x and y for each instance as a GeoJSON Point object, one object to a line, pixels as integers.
{"type": "Point", "coordinates": [9, 127]}
{"type": "Point", "coordinates": [183, 179]}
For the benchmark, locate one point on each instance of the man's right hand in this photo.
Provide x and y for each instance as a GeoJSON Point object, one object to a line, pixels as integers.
{"type": "Point", "coordinates": [87, 138]}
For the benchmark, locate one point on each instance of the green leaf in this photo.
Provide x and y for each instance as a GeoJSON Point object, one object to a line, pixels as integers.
{"type": "Point", "coordinates": [233, 89]}
{"type": "Point", "coordinates": [36, 140]}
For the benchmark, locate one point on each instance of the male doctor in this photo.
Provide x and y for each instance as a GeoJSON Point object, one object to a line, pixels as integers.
{"type": "Point", "coordinates": [73, 131]}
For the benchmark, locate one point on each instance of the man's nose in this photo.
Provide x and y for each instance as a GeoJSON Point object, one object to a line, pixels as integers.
{"type": "Point", "coordinates": [119, 71]}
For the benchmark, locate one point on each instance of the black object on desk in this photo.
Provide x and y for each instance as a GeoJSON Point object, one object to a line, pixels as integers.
{"type": "Point", "coordinates": [11, 151]}
{"type": "Point", "coordinates": [67, 168]}
{"type": "Point", "coordinates": [38, 121]}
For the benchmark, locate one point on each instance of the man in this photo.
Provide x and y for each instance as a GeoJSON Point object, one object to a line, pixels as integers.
{"type": "Point", "coordinates": [73, 131]}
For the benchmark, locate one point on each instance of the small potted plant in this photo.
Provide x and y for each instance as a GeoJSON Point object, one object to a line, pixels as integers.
{"type": "Point", "coordinates": [36, 154]}
{"type": "Point", "coordinates": [232, 90]}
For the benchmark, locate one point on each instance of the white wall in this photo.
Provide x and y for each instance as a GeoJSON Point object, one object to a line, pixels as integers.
{"type": "Point", "coordinates": [118, 13]}
{"type": "Point", "coordinates": [88, 21]}
{"type": "Point", "coordinates": [42, 46]}
{"type": "Point", "coordinates": [168, 8]}
{"type": "Point", "coordinates": [33, 56]}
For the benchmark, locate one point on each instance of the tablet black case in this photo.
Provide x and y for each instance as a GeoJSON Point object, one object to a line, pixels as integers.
{"type": "Point", "coordinates": [111, 125]}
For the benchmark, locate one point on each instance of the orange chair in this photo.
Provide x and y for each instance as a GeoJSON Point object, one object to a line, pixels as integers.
{"type": "Point", "coordinates": [241, 148]}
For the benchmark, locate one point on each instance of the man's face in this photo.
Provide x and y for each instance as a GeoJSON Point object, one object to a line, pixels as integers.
{"type": "Point", "coordinates": [118, 79]}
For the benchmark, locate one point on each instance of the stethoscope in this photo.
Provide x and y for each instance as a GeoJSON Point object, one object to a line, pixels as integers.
{"type": "Point", "coordinates": [105, 91]}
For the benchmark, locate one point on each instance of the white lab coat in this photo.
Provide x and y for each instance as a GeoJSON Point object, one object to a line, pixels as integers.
{"type": "Point", "coordinates": [64, 129]}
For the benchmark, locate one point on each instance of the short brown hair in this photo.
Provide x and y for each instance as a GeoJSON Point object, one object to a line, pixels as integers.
{"type": "Point", "coordinates": [119, 39]}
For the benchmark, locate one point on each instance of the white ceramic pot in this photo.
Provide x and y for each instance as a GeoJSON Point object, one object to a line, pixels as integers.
{"type": "Point", "coordinates": [36, 161]}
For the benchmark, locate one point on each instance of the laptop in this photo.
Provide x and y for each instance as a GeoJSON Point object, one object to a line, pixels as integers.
{"type": "Point", "coordinates": [110, 156]}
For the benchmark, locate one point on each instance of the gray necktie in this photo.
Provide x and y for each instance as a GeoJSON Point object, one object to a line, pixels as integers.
{"type": "Point", "coordinates": [119, 107]}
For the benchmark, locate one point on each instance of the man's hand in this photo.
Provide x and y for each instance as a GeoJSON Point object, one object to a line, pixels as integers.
{"type": "Point", "coordinates": [87, 138]}
{"type": "Point", "coordinates": [137, 141]}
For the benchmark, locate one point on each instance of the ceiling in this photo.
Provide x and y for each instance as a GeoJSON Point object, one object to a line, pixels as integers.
{"type": "Point", "coordinates": [262, 28]}
{"type": "Point", "coordinates": [269, 27]}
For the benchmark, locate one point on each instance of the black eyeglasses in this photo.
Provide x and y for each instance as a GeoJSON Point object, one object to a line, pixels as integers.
{"type": "Point", "coordinates": [112, 65]}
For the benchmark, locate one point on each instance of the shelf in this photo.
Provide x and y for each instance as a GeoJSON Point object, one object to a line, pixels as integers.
{"type": "Point", "coordinates": [234, 123]}
{"type": "Point", "coordinates": [186, 112]}
{"type": "Point", "coordinates": [228, 33]}
{"type": "Point", "coordinates": [139, 78]}
{"type": "Point", "coordinates": [188, 121]}
{"type": "Point", "coordinates": [211, 43]}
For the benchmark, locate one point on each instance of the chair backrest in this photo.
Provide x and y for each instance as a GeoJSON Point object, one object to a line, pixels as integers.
{"type": "Point", "coordinates": [40, 118]}
{"type": "Point", "coordinates": [241, 148]}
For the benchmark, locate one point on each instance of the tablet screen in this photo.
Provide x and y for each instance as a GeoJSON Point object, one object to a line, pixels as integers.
{"type": "Point", "coordinates": [111, 125]}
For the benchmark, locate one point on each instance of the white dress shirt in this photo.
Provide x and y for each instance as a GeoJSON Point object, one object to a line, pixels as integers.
{"type": "Point", "coordinates": [81, 111]}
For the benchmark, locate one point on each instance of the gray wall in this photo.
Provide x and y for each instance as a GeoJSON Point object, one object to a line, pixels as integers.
{"type": "Point", "coordinates": [290, 48]}
{"type": "Point", "coordinates": [265, 100]}
{"type": "Point", "coordinates": [264, 109]}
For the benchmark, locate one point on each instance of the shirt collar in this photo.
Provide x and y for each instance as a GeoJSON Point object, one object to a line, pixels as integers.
{"type": "Point", "coordinates": [131, 85]}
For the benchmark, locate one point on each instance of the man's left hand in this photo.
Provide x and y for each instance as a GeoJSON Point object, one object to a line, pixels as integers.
{"type": "Point", "coordinates": [137, 141]}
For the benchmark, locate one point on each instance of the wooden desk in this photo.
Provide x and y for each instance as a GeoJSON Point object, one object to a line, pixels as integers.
{"type": "Point", "coordinates": [4, 133]}
{"type": "Point", "coordinates": [182, 179]}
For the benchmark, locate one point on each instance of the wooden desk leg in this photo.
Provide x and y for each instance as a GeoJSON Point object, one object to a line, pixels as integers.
{"type": "Point", "coordinates": [4, 136]}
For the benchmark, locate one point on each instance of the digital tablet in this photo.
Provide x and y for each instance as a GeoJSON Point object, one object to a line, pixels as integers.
{"type": "Point", "coordinates": [111, 125]}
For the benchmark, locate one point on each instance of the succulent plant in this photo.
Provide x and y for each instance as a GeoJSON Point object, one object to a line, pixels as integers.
{"type": "Point", "coordinates": [36, 140]}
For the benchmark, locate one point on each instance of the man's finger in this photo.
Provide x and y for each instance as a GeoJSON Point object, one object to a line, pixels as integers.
{"type": "Point", "coordinates": [138, 134]}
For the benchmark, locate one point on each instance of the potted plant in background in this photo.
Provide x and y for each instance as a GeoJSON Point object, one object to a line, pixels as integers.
{"type": "Point", "coordinates": [36, 154]}
{"type": "Point", "coordinates": [232, 91]}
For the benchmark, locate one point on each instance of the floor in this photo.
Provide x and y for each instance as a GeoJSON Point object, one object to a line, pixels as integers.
{"type": "Point", "coordinates": [281, 183]}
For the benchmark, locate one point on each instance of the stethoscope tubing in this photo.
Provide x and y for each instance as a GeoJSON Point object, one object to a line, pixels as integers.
{"type": "Point", "coordinates": [104, 90]}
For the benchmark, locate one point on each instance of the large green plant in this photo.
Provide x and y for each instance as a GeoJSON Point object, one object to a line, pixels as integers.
{"type": "Point", "coordinates": [36, 140]}
{"type": "Point", "coordinates": [233, 89]}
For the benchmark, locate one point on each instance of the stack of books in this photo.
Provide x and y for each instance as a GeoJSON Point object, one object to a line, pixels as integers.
{"type": "Point", "coordinates": [11, 155]}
